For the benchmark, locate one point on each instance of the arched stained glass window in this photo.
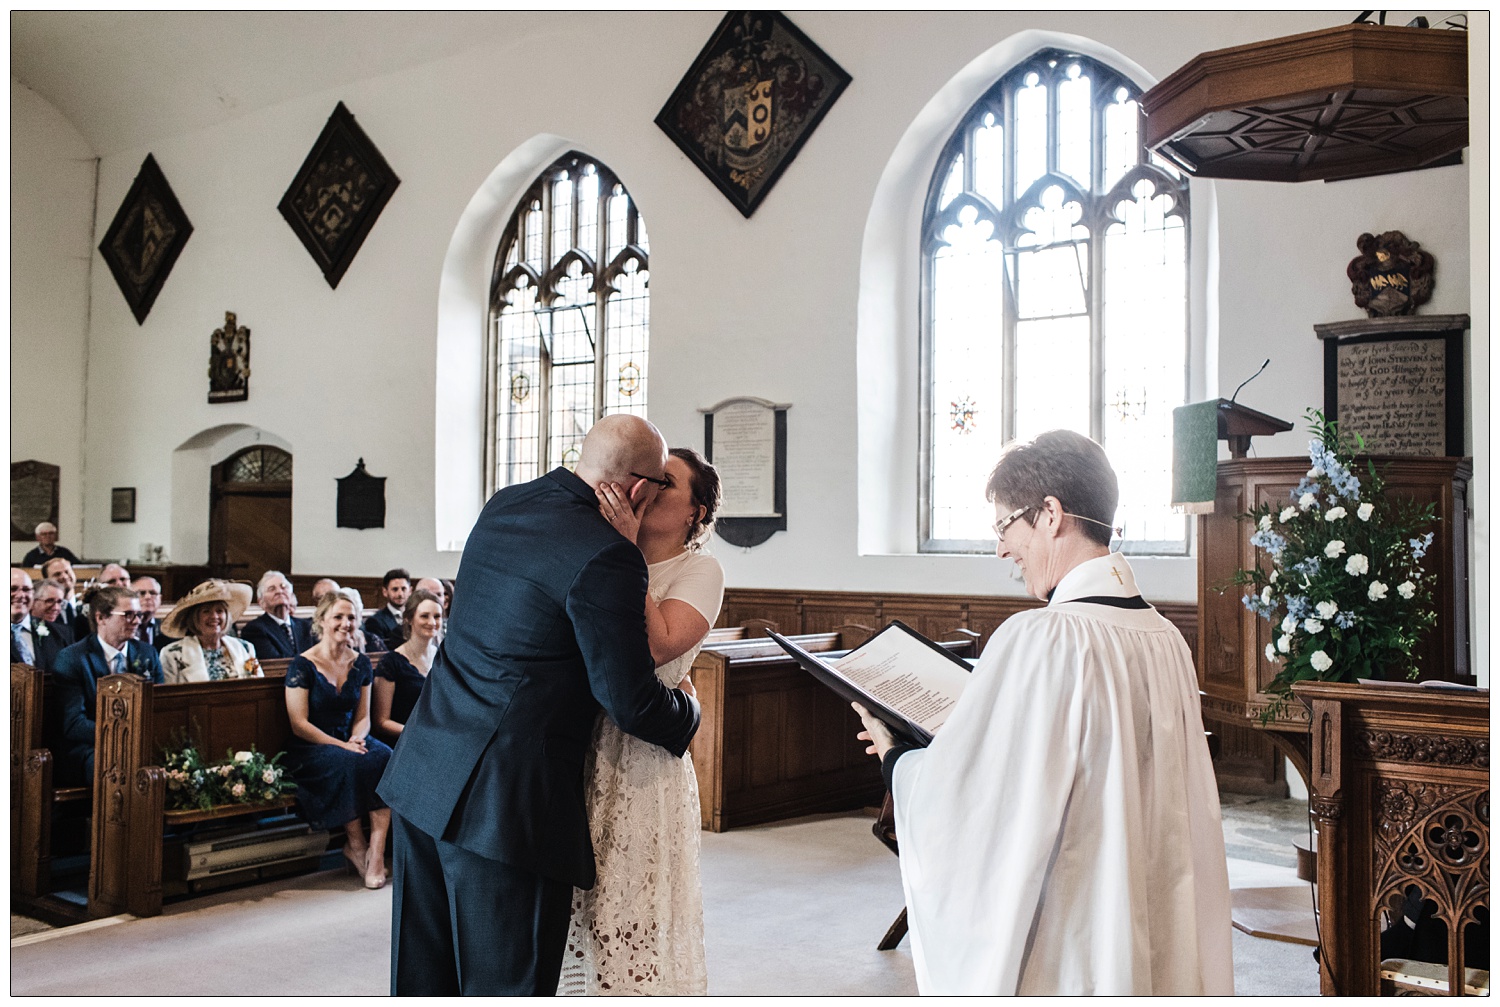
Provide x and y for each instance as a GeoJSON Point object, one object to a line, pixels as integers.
{"type": "Point", "coordinates": [569, 319]}
{"type": "Point", "coordinates": [1054, 252]}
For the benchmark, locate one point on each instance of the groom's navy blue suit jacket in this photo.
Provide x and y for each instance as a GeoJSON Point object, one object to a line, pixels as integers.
{"type": "Point", "coordinates": [548, 625]}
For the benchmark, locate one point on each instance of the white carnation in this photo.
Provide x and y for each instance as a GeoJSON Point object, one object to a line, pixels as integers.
{"type": "Point", "coordinates": [1334, 549]}
{"type": "Point", "coordinates": [1289, 624]}
{"type": "Point", "coordinates": [1406, 589]}
{"type": "Point", "coordinates": [1275, 575]}
{"type": "Point", "coordinates": [1287, 513]}
{"type": "Point", "coordinates": [1320, 661]}
{"type": "Point", "coordinates": [1327, 609]}
{"type": "Point", "coordinates": [1265, 596]}
{"type": "Point", "coordinates": [1315, 473]}
{"type": "Point", "coordinates": [1270, 652]}
{"type": "Point", "coordinates": [1312, 626]}
{"type": "Point", "coordinates": [1265, 522]}
{"type": "Point", "coordinates": [1335, 514]}
{"type": "Point", "coordinates": [1284, 644]}
{"type": "Point", "coordinates": [1307, 501]}
{"type": "Point", "coordinates": [1365, 510]}
{"type": "Point", "coordinates": [242, 757]}
{"type": "Point", "coordinates": [1357, 566]}
{"type": "Point", "coordinates": [1378, 590]}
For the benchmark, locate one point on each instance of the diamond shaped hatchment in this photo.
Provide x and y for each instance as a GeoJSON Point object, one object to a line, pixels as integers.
{"type": "Point", "coordinates": [337, 194]}
{"type": "Point", "coordinates": [145, 238]}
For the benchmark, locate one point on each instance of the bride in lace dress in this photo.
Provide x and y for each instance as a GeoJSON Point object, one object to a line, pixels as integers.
{"type": "Point", "coordinates": [639, 930]}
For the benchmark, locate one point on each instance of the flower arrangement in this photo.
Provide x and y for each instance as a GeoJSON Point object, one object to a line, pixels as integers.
{"type": "Point", "coordinates": [1345, 585]}
{"type": "Point", "coordinates": [242, 778]}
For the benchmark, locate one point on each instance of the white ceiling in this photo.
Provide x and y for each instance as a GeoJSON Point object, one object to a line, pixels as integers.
{"type": "Point", "coordinates": [124, 79]}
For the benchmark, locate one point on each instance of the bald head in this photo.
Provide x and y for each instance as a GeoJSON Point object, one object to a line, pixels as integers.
{"type": "Point", "coordinates": [621, 448]}
{"type": "Point", "coordinates": [114, 575]}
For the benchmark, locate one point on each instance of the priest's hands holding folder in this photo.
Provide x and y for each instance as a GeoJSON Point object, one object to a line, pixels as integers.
{"type": "Point", "coordinates": [875, 732]}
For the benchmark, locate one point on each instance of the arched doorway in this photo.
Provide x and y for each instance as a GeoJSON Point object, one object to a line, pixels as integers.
{"type": "Point", "coordinates": [250, 514]}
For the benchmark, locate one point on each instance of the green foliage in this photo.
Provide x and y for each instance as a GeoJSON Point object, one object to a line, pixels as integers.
{"type": "Point", "coordinates": [242, 778]}
{"type": "Point", "coordinates": [1339, 573]}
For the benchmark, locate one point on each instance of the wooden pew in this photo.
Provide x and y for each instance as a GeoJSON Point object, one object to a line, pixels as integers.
{"type": "Point", "coordinates": [773, 743]}
{"type": "Point", "coordinates": [33, 798]}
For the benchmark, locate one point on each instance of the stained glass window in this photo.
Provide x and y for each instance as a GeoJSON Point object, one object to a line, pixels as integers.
{"type": "Point", "coordinates": [1055, 267]}
{"type": "Point", "coordinates": [569, 319]}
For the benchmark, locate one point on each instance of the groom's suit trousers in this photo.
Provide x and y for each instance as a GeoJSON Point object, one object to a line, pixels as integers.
{"type": "Point", "coordinates": [465, 924]}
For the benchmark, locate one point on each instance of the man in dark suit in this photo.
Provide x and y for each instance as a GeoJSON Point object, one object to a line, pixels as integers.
{"type": "Point", "coordinates": [277, 633]}
{"type": "Point", "coordinates": [110, 650]}
{"type": "Point", "coordinates": [486, 785]}
{"type": "Point", "coordinates": [148, 589]}
{"type": "Point", "coordinates": [71, 616]}
{"type": "Point", "coordinates": [385, 624]}
{"type": "Point", "coordinates": [32, 640]}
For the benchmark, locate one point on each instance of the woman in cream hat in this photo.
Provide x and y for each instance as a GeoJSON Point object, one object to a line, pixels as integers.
{"type": "Point", "coordinates": [206, 653]}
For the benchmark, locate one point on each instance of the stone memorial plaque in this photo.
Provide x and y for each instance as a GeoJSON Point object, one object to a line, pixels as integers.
{"type": "Point", "coordinates": [1394, 395]}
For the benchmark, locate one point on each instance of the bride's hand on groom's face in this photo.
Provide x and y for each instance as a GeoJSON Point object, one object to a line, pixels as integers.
{"type": "Point", "coordinates": [618, 510]}
{"type": "Point", "coordinates": [686, 685]}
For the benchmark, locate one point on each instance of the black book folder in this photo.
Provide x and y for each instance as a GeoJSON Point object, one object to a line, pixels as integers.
{"type": "Point", "coordinates": [903, 728]}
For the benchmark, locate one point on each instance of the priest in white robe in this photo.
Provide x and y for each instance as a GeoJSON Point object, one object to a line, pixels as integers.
{"type": "Point", "coordinates": [1061, 834]}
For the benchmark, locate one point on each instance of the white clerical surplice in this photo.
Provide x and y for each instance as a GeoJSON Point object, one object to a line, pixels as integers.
{"type": "Point", "coordinates": [1061, 834]}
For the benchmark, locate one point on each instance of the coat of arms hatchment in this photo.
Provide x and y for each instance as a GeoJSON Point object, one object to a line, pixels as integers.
{"type": "Point", "coordinates": [751, 99]}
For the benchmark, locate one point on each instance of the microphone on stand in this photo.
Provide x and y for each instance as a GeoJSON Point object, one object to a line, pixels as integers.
{"type": "Point", "coordinates": [1250, 379]}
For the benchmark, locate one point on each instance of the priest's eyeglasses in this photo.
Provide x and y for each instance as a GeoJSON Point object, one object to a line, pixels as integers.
{"type": "Point", "coordinates": [1009, 520]}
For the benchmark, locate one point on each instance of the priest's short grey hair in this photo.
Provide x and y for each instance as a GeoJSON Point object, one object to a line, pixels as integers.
{"type": "Point", "coordinates": [1062, 464]}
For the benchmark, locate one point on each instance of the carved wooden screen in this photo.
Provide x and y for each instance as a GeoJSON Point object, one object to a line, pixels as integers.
{"type": "Point", "coordinates": [1054, 253]}
{"type": "Point", "coordinates": [569, 320]}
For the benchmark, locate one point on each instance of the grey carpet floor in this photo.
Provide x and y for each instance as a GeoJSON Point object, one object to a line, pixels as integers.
{"type": "Point", "coordinates": [791, 908]}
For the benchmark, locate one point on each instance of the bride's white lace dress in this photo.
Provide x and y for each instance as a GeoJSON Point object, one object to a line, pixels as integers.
{"type": "Point", "coordinates": [639, 930]}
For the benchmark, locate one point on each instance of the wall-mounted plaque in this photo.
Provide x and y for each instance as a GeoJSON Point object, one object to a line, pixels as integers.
{"type": "Point", "coordinates": [33, 498]}
{"type": "Point", "coordinates": [145, 238]}
{"type": "Point", "coordinates": [1398, 382]}
{"type": "Point", "coordinates": [122, 505]}
{"type": "Point", "coordinates": [361, 499]}
{"type": "Point", "coordinates": [745, 438]}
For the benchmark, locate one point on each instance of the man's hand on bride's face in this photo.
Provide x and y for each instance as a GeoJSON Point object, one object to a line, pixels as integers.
{"type": "Point", "coordinates": [615, 505]}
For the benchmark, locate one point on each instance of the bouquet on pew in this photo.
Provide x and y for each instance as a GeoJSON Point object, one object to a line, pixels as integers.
{"type": "Point", "coordinates": [242, 778]}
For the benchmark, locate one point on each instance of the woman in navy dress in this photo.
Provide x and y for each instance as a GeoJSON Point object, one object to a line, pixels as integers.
{"type": "Point", "coordinates": [333, 758]}
{"type": "Point", "coordinates": [403, 671]}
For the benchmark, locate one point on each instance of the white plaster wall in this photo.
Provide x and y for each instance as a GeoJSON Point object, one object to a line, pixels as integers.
{"type": "Point", "coordinates": [51, 240]}
{"type": "Point", "coordinates": [763, 307]}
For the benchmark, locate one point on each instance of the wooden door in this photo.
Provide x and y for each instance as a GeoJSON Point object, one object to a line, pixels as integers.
{"type": "Point", "coordinates": [250, 521]}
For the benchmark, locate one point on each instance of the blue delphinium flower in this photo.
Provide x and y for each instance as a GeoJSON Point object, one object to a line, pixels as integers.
{"type": "Point", "coordinates": [1344, 620]}
{"type": "Point", "coordinates": [1419, 546]}
{"type": "Point", "coordinates": [1270, 541]}
{"type": "Point", "coordinates": [1309, 566]}
{"type": "Point", "coordinates": [1298, 606]}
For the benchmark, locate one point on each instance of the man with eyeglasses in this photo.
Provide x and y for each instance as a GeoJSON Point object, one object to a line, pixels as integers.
{"type": "Point", "coordinates": [1061, 833]}
{"type": "Point", "coordinates": [148, 589]}
{"type": "Point", "coordinates": [71, 615]}
{"type": "Point", "coordinates": [490, 825]}
{"type": "Point", "coordinates": [32, 640]}
{"type": "Point", "coordinates": [110, 650]}
{"type": "Point", "coordinates": [46, 610]}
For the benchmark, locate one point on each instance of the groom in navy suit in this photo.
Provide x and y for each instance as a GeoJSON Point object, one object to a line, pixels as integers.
{"type": "Point", "coordinates": [548, 626]}
{"type": "Point", "coordinates": [110, 650]}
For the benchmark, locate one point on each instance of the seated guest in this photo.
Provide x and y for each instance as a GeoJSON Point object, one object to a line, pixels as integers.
{"type": "Point", "coordinates": [322, 586]}
{"type": "Point", "coordinates": [434, 587]}
{"type": "Point", "coordinates": [32, 641]}
{"type": "Point", "coordinates": [277, 633]}
{"type": "Point", "coordinates": [47, 547]}
{"type": "Point", "coordinates": [46, 609]}
{"type": "Point", "coordinates": [109, 650]}
{"type": "Point", "coordinates": [386, 624]}
{"type": "Point", "coordinates": [71, 617]}
{"type": "Point", "coordinates": [403, 671]}
{"type": "Point", "coordinates": [447, 599]}
{"type": "Point", "coordinates": [363, 642]}
{"type": "Point", "coordinates": [1061, 834]}
{"type": "Point", "coordinates": [148, 589]}
{"type": "Point", "coordinates": [206, 652]}
{"type": "Point", "coordinates": [113, 575]}
{"type": "Point", "coordinates": [333, 759]}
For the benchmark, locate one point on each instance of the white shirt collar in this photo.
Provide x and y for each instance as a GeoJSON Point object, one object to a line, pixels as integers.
{"type": "Point", "coordinates": [110, 652]}
{"type": "Point", "coordinates": [1108, 576]}
{"type": "Point", "coordinates": [398, 613]}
